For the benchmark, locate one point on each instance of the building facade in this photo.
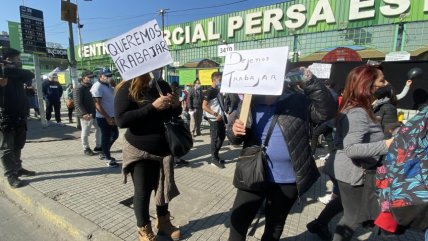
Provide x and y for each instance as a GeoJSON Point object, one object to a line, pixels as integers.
{"type": "Point", "coordinates": [311, 28]}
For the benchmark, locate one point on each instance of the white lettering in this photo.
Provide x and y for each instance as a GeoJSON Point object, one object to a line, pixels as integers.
{"type": "Point", "coordinates": [104, 49]}
{"type": "Point", "coordinates": [322, 12]}
{"type": "Point", "coordinates": [86, 52]}
{"type": "Point", "coordinates": [92, 50]}
{"type": "Point", "coordinates": [234, 23]}
{"type": "Point", "coordinates": [198, 33]}
{"type": "Point", "coordinates": [296, 16]}
{"type": "Point", "coordinates": [394, 7]}
{"type": "Point", "coordinates": [187, 34]}
{"type": "Point", "coordinates": [272, 17]}
{"type": "Point", "coordinates": [357, 5]}
{"type": "Point", "coordinates": [99, 47]}
{"type": "Point", "coordinates": [167, 36]}
{"type": "Point", "coordinates": [253, 23]}
{"type": "Point", "coordinates": [211, 32]}
{"type": "Point", "coordinates": [177, 36]}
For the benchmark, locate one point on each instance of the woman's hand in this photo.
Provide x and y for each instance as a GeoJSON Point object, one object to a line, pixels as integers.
{"type": "Point", "coordinates": [163, 102]}
{"type": "Point", "coordinates": [409, 82]}
{"type": "Point", "coordinates": [388, 142]}
{"type": "Point", "coordinates": [238, 128]}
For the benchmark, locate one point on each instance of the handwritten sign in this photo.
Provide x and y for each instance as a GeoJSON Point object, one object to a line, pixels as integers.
{"type": "Point", "coordinates": [139, 51]}
{"type": "Point", "coordinates": [258, 71]}
{"type": "Point", "coordinates": [321, 71]}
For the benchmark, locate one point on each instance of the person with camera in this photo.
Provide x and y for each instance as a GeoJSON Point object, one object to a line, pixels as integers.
{"type": "Point", "coordinates": [14, 108]}
{"type": "Point", "coordinates": [290, 168]}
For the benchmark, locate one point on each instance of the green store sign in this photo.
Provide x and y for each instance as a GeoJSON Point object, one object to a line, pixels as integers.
{"type": "Point", "coordinates": [295, 17]}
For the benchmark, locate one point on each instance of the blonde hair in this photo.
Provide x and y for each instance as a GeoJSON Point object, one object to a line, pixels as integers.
{"type": "Point", "coordinates": [139, 85]}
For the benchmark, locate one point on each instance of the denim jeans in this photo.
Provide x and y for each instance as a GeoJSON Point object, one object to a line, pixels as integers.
{"type": "Point", "coordinates": [86, 128]}
{"type": "Point", "coordinates": [11, 143]}
{"type": "Point", "coordinates": [217, 133]}
{"type": "Point", "coordinates": [426, 235]}
{"type": "Point", "coordinates": [109, 134]}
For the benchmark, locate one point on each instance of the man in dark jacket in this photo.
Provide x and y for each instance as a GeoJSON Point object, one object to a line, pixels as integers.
{"type": "Point", "coordinates": [85, 108]}
{"type": "Point", "coordinates": [195, 107]}
{"type": "Point", "coordinates": [52, 92]}
{"type": "Point", "coordinates": [14, 110]}
{"type": "Point", "coordinates": [290, 167]}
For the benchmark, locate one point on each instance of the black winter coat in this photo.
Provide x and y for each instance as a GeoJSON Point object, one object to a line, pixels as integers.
{"type": "Point", "coordinates": [386, 112]}
{"type": "Point", "coordinates": [13, 97]}
{"type": "Point", "coordinates": [296, 112]}
{"type": "Point", "coordinates": [83, 100]}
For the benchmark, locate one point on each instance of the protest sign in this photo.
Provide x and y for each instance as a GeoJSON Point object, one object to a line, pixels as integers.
{"type": "Point", "coordinates": [258, 71]}
{"type": "Point", "coordinates": [321, 71]}
{"type": "Point", "coordinates": [139, 51]}
{"type": "Point", "coordinates": [205, 76]}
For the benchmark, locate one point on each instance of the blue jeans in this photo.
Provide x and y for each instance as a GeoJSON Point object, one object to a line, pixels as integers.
{"type": "Point", "coordinates": [109, 134]}
{"type": "Point", "coordinates": [426, 235]}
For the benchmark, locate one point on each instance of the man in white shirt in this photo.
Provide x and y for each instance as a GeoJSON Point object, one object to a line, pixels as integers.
{"type": "Point", "coordinates": [103, 95]}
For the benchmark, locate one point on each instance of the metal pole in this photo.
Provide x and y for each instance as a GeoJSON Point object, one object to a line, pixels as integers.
{"type": "Point", "coordinates": [295, 49]}
{"type": "Point", "coordinates": [39, 87]}
{"type": "Point", "coordinates": [73, 71]}
{"type": "Point", "coordinates": [80, 37]}
{"type": "Point", "coordinates": [162, 13]}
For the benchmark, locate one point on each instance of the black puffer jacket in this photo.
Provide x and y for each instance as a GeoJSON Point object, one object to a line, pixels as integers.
{"type": "Point", "coordinates": [296, 112]}
{"type": "Point", "coordinates": [83, 100]}
{"type": "Point", "coordinates": [385, 111]}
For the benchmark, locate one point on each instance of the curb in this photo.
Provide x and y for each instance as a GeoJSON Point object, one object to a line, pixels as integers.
{"type": "Point", "coordinates": [65, 223]}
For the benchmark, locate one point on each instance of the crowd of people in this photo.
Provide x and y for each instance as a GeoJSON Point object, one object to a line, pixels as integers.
{"type": "Point", "coordinates": [359, 125]}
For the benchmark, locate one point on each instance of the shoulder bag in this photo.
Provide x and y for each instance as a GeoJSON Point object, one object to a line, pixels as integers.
{"type": "Point", "coordinates": [250, 172]}
{"type": "Point", "coordinates": [177, 133]}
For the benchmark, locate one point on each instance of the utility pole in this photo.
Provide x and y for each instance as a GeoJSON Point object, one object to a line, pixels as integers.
{"type": "Point", "coordinates": [72, 60]}
{"type": "Point", "coordinates": [79, 26]}
{"type": "Point", "coordinates": [162, 12]}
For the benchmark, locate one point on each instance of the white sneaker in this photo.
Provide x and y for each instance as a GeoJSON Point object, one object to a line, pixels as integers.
{"type": "Point", "coordinates": [326, 199]}
{"type": "Point", "coordinates": [324, 157]}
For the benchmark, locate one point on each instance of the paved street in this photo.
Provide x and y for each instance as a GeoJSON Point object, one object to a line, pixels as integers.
{"type": "Point", "coordinates": [88, 199]}
{"type": "Point", "coordinates": [16, 225]}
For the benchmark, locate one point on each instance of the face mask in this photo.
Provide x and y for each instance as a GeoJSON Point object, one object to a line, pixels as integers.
{"type": "Point", "coordinates": [187, 88]}
{"type": "Point", "coordinates": [218, 85]}
{"type": "Point", "coordinates": [156, 74]}
{"type": "Point", "coordinates": [383, 92]}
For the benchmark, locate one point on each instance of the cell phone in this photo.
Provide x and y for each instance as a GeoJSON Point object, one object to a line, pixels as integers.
{"type": "Point", "coordinates": [295, 75]}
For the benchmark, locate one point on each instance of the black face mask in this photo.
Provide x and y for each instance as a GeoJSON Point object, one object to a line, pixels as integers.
{"type": "Point", "coordinates": [383, 92]}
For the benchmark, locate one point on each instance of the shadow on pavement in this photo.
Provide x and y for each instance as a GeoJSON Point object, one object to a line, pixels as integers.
{"type": "Point", "coordinates": [43, 176]}
{"type": "Point", "coordinates": [205, 223]}
{"type": "Point", "coordinates": [37, 133]}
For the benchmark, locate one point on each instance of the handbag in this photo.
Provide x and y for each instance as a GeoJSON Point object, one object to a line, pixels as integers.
{"type": "Point", "coordinates": [250, 172]}
{"type": "Point", "coordinates": [177, 133]}
{"type": "Point", "coordinates": [69, 103]}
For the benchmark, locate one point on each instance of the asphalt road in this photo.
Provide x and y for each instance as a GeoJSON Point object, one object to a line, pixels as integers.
{"type": "Point", "coordinates": [16, 225]}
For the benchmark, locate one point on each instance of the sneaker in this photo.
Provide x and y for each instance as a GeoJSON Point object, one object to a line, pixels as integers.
{"type": "Point", "coordinates": [88, 152]}
{"type": "Point", "coordinates": [320, 230]}
{"type": "Point", "coordinates": [101, 156]}
{"type": "Point", "coordinates": [14, 181]}
{"type": "Point", "coordinates": [111, 163]}
{"type": "Point", "coordinates": [326, 199]}
{"type": "Point", "coordinates": [60, 124]}
{"type": "Point", "coordinates": [98, 149]}
{"type": "Point", "coordinates": [223, 161]}
{"type": "Point", "coordinates": [25, 172]}
{"type": "Point", "coordinates": [217, 164]}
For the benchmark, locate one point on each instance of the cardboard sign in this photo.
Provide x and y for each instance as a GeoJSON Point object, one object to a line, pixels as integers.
{"type": "Point", "coordinates": [258, 71]}
{"type": "Point", "coordinates": [139, 51]}
{"type": "Point", "coordinates": [321, 71]}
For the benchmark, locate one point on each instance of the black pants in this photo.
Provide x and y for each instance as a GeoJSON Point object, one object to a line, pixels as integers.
{"type": "Point", "coordinates": [351, 200]}
{"type": "Point", "coordinates": [217, 133]}
{"type": "Point", "coordinates": [109, 135]}
{"type": "Point", "coordinates": [56, 107]}
{"type": "Point", "coordinates": [145, 176]}
{"type": "Point", "coordinates": [325, 130]}
{"type": "Point", "coordinates": [70, 114]}
{"type": "Point", "coordinates": [11, 143]}
{"type": "Point", "coordinates": [279, 200]}
{"type": "Point", "coordinates": [332, 209]}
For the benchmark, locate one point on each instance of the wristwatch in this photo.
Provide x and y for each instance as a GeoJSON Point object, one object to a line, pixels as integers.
{"type": "Point", "coordinates": [215, 114]}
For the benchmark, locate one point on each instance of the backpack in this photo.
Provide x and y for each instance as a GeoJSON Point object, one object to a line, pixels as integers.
{"type": "Point", "coordinates": [406, 167]}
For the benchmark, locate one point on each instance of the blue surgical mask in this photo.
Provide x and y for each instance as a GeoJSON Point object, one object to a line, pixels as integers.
{"type": "Point", "coordinates": [218, 85]}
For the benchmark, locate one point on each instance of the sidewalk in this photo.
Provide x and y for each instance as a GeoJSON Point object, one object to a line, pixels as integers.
{"type": "Point", "coordinates": [83, 199]}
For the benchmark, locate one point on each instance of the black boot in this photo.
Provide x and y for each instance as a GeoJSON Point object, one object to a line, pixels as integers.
{"type": "Point", "coordinates": [14, 181]}
{"type": "Point", "coordinates": [319, 229]}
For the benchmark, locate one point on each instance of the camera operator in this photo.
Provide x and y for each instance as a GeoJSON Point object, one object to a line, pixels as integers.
{"type": "Point", "coordinates": [14, 108]}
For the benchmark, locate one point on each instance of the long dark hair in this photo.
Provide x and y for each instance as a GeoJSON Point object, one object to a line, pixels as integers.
{"type": "Point", "coordinates": [139, 86]}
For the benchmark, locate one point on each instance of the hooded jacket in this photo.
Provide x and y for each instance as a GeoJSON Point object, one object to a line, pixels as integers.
{"type": "Point", "coordinates": [296, 111]}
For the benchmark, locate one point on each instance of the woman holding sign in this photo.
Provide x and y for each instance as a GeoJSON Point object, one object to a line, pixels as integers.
{"type": "Point", "coordinates": [290, 168]}
{"type": "Point", "coordinates": [146, 155]}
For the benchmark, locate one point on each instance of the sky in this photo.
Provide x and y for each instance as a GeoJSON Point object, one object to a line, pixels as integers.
{"type": "Point", "coordinates": [105, 19]}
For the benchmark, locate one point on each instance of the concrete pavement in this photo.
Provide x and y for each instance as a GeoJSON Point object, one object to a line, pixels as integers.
{"type": "Point", "coordinates": [82, 199]}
